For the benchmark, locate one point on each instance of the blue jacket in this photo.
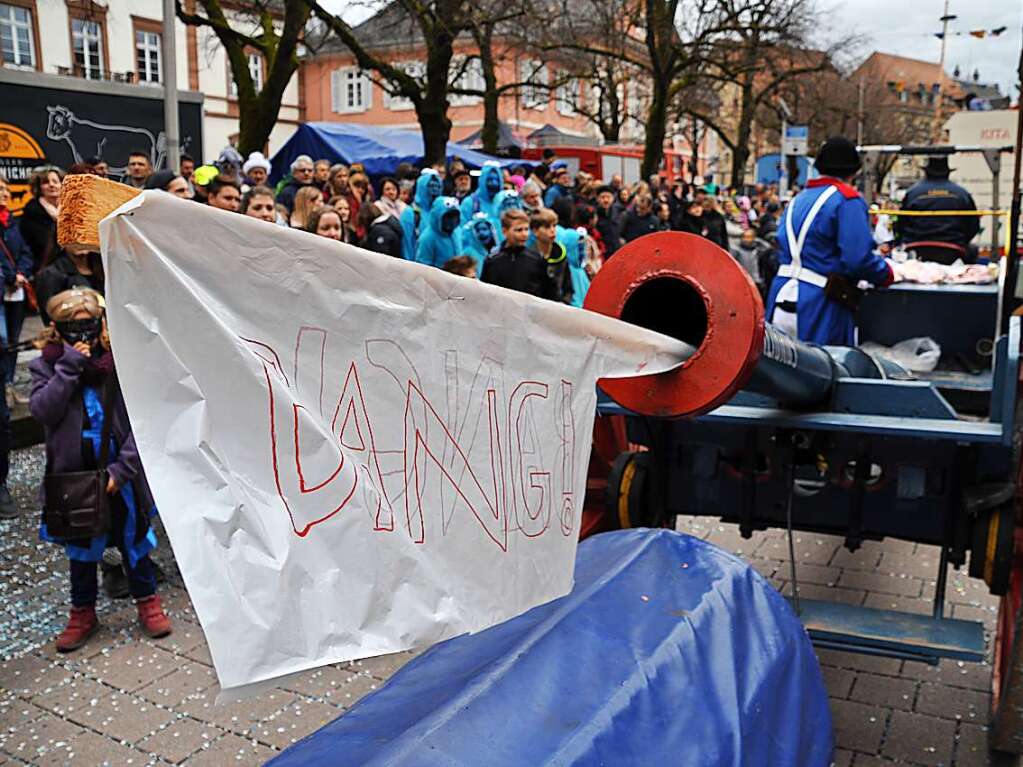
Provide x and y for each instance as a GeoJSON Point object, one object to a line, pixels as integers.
{"type": "Point", "coordinates": [20, 252]}
{"type": "Point", "coordinates": [575, 250]}
{"type": "Point", "coordinates": [506, 200]}
{"type": "Point", "coordinates": [429, 187]}
{"type": "Point", "coordinates": [554, 191]}
{"type": "Point", "coordinates": [436, 246]}
{"type": "Point", "coordinates": [483, 200]}
{"type": "Point", "coordinates": [470, 243]}
{"type": "Point", "coordinates": [839, 242]}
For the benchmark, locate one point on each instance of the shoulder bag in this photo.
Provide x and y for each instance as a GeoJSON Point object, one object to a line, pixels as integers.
{"type": "Point", "coordinates": [76, 503]}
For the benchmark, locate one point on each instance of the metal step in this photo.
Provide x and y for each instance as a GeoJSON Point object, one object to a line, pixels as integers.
{"type": "Point", "coordinates": [894, 634]}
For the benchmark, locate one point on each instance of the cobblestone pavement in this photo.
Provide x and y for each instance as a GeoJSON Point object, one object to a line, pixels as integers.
{"type": "Point", "coordinates": [128, 700]}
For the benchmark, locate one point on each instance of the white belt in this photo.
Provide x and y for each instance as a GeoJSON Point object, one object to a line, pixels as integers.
{"type": "Point", "coordinates": [803, 275]}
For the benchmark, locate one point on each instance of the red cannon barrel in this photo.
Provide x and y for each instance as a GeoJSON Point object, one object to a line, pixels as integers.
{"type": "Point", "coordinates": [687, 287]}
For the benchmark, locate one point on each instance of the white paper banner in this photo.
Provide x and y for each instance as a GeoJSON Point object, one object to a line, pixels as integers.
{"type": "Point", "coordinates": [352, 454]}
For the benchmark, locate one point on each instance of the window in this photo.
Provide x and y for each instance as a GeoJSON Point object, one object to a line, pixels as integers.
{"type": "Point", "coordinates": [350, 91]}
{"type": "Point", "coordinates": [87, 44]}
{"type": "Point", "coordinates": [255, 72]}
{"type": "Point", "coordinates": [534, 93]}
{"type": "Point", "coordinates": [147, 56]}
{"type": "Point", "coordinates": [16, 36]}
{"type": "Point", "coordinates": [470, 77]}
{"type": "Point", "coordinates": [566, 97]}
{"type": "Point", "coordinates": [416, 69]}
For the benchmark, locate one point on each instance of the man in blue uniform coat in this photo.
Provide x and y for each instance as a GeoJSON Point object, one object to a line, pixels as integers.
{"type": "Point", "coordinates": [826, 247]}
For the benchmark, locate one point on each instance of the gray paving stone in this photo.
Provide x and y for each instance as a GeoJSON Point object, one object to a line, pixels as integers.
{"type": "Point", "coordinates": [858, 726]}
{"type": "Point", "coordinates": [974, 676]}
{"type": "Point", "coordinates": [919, 739]}
{"type": "Point", "coordinates": [970, 706]}
{"type": "Point", "coordinates": [839, 681]}
{"type": "Point", "coordinates": [89, 749]}
{"type": "Point", "coordinates": [971, 746]}
{"type": "Point", "coordinates": [121, 716]}
{"type": "Point", "coordinates": [294, 723]}
{"type": "Point", "coordinates": [873, 664]}
{"type": "Point", "coordinates": [233, 750]}
{"type": "Point", "coordinates": [884, 691]}
{"type": "Point", "coordinates": [883, 583]}
{"type": "Point", "coordinates": [179, 739]}
{"type": "Point", "coordinates": [132, 666]}
{"type": "Point", "coordinates": [867, 557]}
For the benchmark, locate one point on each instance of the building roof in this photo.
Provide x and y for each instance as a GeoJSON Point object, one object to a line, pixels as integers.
{"type": "Point", "coordinates": [989, 92]}
{"type": "Point", "coordinates": [910, 72]}
{"type": "Point", "coordinates": [391, 26]}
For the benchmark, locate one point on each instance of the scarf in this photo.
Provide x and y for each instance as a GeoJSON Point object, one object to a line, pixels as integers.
{"type": "Point", "coordinates": [50, 208]}
{"type": "Point", "coordinates": [5, 217]}
{"type": "Point", "coordinates": [96, 368]}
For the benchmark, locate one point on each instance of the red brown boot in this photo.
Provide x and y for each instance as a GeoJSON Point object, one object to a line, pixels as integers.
{"type": "Point", "coordinates": [82, 625]}
{"type": "Point", "coordinates": [154, 620]}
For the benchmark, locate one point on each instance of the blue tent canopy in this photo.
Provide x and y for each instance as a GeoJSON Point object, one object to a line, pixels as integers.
{"type": "Point", "coordinates": [667, 651]}
{"type": "Point", "coordinates": [379, 149]}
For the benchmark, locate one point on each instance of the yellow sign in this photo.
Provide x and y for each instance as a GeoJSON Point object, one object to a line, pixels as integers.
{"type": "Point", "coordinates": [19, 154]}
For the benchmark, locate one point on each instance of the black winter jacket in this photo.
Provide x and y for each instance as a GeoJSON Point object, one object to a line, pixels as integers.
{"type": "Point", "coordinates": [384, 236]}
{"type": "Point", "coordinates": [608, 232]}
{"type": "Point", "coordinates": [635, 225]}
{"type": "Point", "coordinates": [936, 194]}
{"type": "Point", "coordinates": [521, 269]}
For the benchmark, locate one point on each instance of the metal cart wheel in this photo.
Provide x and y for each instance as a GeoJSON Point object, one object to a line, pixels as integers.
{"type": "Point", "coordinates": [1005, 732]}
{"type": "Point", "coordinates": [1006, 729]}
{"type": "Point", "coordinates": [609, 441]}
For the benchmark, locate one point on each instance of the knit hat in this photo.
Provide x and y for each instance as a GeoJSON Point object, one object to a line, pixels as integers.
{"type": "Point", "coordinates": [256, 160]}
{"type": "Point", "coordinates": [160, 179]}
{"type": "Point", "coordinates": [837, 157]}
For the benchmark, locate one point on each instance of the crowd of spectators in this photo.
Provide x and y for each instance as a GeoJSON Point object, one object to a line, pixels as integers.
{"type": "Point", "coordinates": [537, 228]}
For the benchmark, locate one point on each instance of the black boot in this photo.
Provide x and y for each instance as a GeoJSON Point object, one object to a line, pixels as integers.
{"type": "Point", "coordinates": [8, 508]}
{"type": "Point", "coordinates": [115, 581]}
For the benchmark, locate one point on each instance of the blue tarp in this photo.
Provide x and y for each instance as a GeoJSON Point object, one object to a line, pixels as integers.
{"type": "Point", "coordinates": [667, 651]}
{"type": "Point", "coordinates": [768, 169]}
{"type": "Point", "coordinates": [380, 150]}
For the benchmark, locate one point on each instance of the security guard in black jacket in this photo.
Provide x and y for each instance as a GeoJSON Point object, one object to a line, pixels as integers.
{"type": "Point", "coordinates": [937, 193]}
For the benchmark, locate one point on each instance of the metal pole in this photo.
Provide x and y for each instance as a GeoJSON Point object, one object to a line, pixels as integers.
{"type": "Point", "coordinates": [1011, 270]}
{"type": "Point", "coordinates": [783, 178]}
{"type": "Point", "coordinates": [859, 115]}
{"type": "Point", "coordinates": [996, 220]}
{"type": "Point", "coordinates": [170, 87]}
{"type": "Point", "coordinates": [941, 74]}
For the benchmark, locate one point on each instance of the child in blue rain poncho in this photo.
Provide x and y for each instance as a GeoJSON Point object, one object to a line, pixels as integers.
{"type": "Point", "coordinates": [429, 186]}
{"type": "Point", "coordinates": [484, 199]}
{"type": "Point", "coordinates": [574, 240]}
{"type": "Point", "coordinates": [509, 199]}
{"type": "Point", "coordinates": [477, 238]}
{"type": "Point", "coordinates": [437, 242]}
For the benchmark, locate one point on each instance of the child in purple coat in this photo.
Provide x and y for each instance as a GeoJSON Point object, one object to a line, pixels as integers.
{"type": "Point", "coordinates": [68, 380]}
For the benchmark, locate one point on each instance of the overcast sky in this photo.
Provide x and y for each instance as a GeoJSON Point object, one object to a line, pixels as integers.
{"type": "Point", "coordinates": [906, 28]}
